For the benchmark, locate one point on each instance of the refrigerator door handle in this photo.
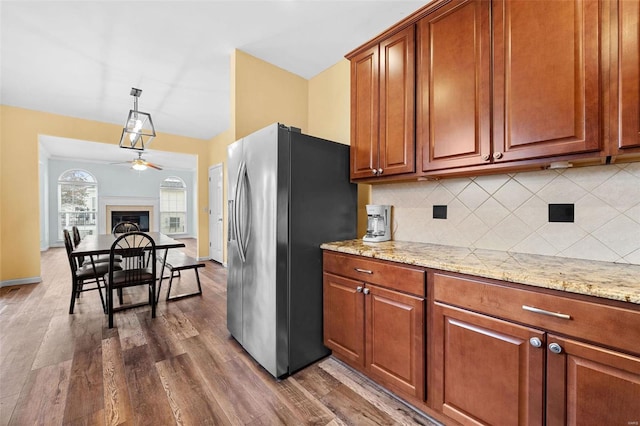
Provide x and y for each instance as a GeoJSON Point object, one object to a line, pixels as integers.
{"type": "Point", "coordinates": [244, 227]}
{"type": "Point", "coordinates": [237, 207]}
{"type": "Point", "coordinates": [231, 234]}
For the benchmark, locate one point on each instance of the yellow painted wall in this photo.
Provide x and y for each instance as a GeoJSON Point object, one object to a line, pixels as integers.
{"type": "Point", "coordinates": [329, 103]}
{"type": "Point", "coordinates": [19, 180]}
{"type": "Point", "coordinates": [330, 118]}
{"type": "Point", "coordinates": [266, 94]}
{"type": "Point", "coordinates": [261, 94]}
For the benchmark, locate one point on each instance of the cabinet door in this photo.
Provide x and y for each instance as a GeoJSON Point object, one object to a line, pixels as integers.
{"type": "Point", "coordinates": [629, 73]}
{"type": "Point", "coordinates": [397, 104]}
{"type": "Point", "coordinates": [486, 370]}
{"type": "Point", "coordinates": [364, 113]}
{"type": "Point", "coordinates": [453, 104]}
{"type": "Point", "coordinates": [546, 81]}
{"type": "Point", "coordinates": [591, 385]}
{"type": "Point", "coordinates": [395, 340]}
{"type": "Point", "coordinates": [343, 318]}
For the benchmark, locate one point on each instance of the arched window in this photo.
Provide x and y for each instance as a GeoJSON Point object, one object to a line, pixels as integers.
{"type": "Point", "coordinates": [77, 202]}
{"type": "Point", "coordinates": [173, 206]}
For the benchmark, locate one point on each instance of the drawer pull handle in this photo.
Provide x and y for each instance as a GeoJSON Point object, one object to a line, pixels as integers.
{"type": "Point", "coordinates": [543, 312]}
{"type": "Point", "coordinates": [364, 271]}
{"type": "Point", "coordinates": [555, 348]}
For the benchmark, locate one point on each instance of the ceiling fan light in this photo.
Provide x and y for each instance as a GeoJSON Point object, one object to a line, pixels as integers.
{"type": "Point", "coordinates": [138, 166]}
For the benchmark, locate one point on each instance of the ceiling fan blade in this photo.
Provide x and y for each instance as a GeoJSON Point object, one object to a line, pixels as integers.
{"type": "Point", "coordinates": [153, 166]}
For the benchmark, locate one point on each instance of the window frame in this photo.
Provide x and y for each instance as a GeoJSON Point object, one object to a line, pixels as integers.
{"type": "Point", "coordinates": [91, 212]}
{"type": "Point", "coordinates": [178, 186]}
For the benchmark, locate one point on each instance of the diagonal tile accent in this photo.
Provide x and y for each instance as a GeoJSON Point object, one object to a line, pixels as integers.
{"type": "Point", "coordinates": [621, 191]}
{"type": "Point", "coordinates": [510, 212]}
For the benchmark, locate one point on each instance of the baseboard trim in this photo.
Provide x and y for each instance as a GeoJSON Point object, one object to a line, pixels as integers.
{"type": "Point", "coordinates": [21, 281]}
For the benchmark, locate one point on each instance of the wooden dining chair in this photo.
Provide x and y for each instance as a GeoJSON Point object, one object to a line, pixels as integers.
{"type": "Point", "coordinates": [137, 268]}
{"type": "Point", "coordinates": [124, 227]}
{"type": "Point", "coordinates": [84, 274]}
{"type": "Point", "coordinates": [76, 235]}
{"type": "Point", "coordinates": [101, 258]}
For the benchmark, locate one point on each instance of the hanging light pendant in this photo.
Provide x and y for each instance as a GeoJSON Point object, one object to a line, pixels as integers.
{"type": "Point", "coordinates": [138, 130]}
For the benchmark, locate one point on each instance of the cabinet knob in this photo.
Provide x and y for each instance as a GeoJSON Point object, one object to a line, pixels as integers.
{"type": "Point", "coordinates": [359, 289]}
{"type": "Point", "coordinates": [375, 172]}
{"type": "Point", "coordinates": [380, 172]}
{"type": "Point", "coordinates": [486, 157]}
{"type": "Point", "coordinates": [535, 342]}
{"type": "Point", "coordinates": [497, 155]}
{"type": "Point", "coordinates": [366, 291]}
{"type": "Point", "coordinates": [555, 348]}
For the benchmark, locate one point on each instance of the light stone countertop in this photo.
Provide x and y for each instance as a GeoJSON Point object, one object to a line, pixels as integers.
{"type": "Point", "coordinates": [617, 281]}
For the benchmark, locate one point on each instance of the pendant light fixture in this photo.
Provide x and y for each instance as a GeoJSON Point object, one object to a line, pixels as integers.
{"type": "Point", "coordinates": [138, 130]}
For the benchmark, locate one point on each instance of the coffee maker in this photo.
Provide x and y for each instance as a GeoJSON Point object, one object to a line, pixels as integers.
{"type": "Point", "coordinates": [378, 223]}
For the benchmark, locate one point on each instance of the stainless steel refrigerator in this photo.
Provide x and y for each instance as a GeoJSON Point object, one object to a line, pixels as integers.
{"type": "Point", "coordinates": [287, 193]}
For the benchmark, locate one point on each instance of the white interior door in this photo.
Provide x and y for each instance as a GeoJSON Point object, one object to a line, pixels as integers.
{"type": "Point", "coordinates": [216, 238]}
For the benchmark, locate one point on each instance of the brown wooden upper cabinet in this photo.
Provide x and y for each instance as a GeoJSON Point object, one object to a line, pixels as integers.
{"type": "Point", "coordinates": [626, 78]}
{"type": "Point", "coordinates": [453, 96]}
{"type": "Point", "coordinates": [538, 96]}
{"type": "Point", "coordinates": [383, 107]}
{"type": "Point", "coordinates": [515, 83]}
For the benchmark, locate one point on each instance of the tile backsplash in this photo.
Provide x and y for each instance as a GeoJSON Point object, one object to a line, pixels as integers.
{"type": "Point", "coordinates": [511, 212]}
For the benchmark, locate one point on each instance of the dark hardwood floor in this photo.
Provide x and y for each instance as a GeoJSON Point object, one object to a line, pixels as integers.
{"type": "Point", "coordinates": [179, 368]}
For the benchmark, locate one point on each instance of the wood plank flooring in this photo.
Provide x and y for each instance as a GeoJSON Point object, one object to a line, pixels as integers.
{"type": "Point", "coordinates": [180, 368]}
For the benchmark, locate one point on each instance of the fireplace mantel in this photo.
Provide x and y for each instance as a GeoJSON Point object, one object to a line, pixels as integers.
{"type": "Point", "coordinates": [108, 204]}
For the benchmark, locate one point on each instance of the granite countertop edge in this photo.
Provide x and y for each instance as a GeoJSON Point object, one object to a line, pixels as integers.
{"type": "Point", "coordinates": [608, 280]}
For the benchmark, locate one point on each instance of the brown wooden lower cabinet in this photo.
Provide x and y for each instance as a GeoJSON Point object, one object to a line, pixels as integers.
{"type": "Point", "coordinates": [487, 371]}
{"type": "Point", "coordinates": [394, 331]}
{"type": "Point", "coordinates": [590, 385]}
{"type": "Point", "coordinates": [344, 318]}
{"type": "Point", "coordinates": [491, 371]}
{"type": "Point", "coordinates": [378, 330]}
{"type": "Point", "coordinates": [488, 352]}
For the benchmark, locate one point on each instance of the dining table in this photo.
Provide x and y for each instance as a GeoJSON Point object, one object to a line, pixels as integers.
{"type": "Point", "coordinates": [93, 245]}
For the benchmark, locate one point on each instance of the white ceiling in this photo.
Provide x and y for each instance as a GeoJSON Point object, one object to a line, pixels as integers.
{"type": "Point", "coordinates": [81, 58]}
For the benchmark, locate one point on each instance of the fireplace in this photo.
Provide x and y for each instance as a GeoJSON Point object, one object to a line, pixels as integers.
{"type": "Point", "coordinates": [139, 217]}
{"type": "Point", "coordinates": [137, 205]}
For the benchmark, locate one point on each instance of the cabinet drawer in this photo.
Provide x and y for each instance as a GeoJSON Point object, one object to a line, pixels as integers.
{"type": "Point", "coordinates": [383, 273]}
{"type": "Point", "coordinates": [607, 325]}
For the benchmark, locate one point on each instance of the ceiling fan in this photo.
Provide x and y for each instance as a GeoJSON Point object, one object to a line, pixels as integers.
{"type": "Point", "coordinates": [141, 164]}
